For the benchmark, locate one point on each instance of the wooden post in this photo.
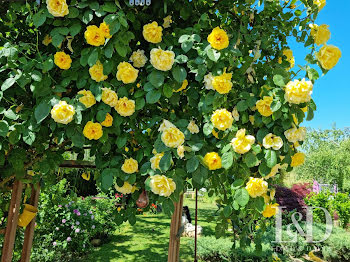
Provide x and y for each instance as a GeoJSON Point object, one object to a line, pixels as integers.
{"type": "Point", "coordinates": [29, 233]}
{"type": "Point", "coordinates": [12, 220]}
{"type": "Point", "coordinates": [174, 241]}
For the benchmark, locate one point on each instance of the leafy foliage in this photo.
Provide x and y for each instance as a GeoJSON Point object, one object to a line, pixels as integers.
{"type": "Point", "coordinates": [32, 85]}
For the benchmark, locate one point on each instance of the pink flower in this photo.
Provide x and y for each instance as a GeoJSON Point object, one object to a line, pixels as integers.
{"type": "Point", "coordinates": [77, 230]}
{"type": "Point", "coordinates": [59, 205]}
{"type": "Point", "coordinates": [92, 217]}
{"type": "Point", "coordinates": [64, 221]}
{"type": "Point", "coordinates": [69, 239]}
{"type": "Point", "coordinates": [54, 243]}
{"type": "Point", "coordinates": [78, 214]}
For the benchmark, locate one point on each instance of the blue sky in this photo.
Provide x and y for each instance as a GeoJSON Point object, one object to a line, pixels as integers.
{"type": "Point", "coordinates": [332, 91]}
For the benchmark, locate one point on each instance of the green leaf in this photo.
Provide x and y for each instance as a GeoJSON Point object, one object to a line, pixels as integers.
{"type": "Point", "coordinates": [4, 128]}
{"type": "Point", "coordinates": [121, 141]}
{"type": "Point", "coordinates": [199, 176]}
{"type": "Point", "coordinates": [8, 83]}
{"type": "Point", "coordinates": [93, 57]}
{"type": "Point", "coordinates": [167, 90]}
{"type": "Point", "coordinates": [168, 206]}
{"type": "Point", "coordinates": [213, 54]}
{"type": "Point", "coordinates": [39, 18]}
{"type": "Point", "coordinates": [184, 38]}
{"type": "Point", "coordinates": [14, 137]}
{"type": "Point", "coordinates": [237, 183]}
{"type": "Point", "coordinates": [140, 103]}
{"type": "Point", "coordinates": [57, 39]}
{"type": "Point", "coordinates": [109, 7]}
{"type": "Point", "coordinates": [208, 128]}
{"type": "Point", "coordinates": [227, 211]}
{"type": "Point", "coordinates": [242, 106]}
{"type": "Point", "coordinates": [279, 80]}
{"type": "Point", "coordinates": [259, 204]}
{"type": "Point", "coordinates": [313, 74]}
{"type": "Point", "coordinates": [275, 105]}
{"type": "Point", "coordinates": [227, 160]}
{"type": "Point", "coordinates": [264, 170]}
{"type": "Point", "coordinates": [42, 111]}
{"type": "Point", "coordinates": [156, 78]}
{"type": "Point", "coordinates": [75, 29]}
{"type": "Point", "coordinates": [153, 96]}
{"type": "Point", "coordinates": [107, 178]}
{"type": "Point", "coordinates": [87, 17]}
{"type": "Point", "coordinates": [271, 158]}
{"type": "Point", "coordinates": [28, 137]}
{"type": "Point", "coordinates": [78, 140]}
{"type": "Point", "coordinates": [165, 162]}
{"type": "Point", "coordinates": [186, 46]}
{"type": "Point", "coordinates": [242, 196]}
{"type": "Point", "coordinates": [179, 73]}
{"type": "Point", "coordinates": [251, 160]}
{"type": "Point", "coordinates": [192, 164]}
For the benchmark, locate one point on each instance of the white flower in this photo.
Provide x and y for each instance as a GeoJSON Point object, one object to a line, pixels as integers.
{"type": "Point", "coordinates": [208, 79]}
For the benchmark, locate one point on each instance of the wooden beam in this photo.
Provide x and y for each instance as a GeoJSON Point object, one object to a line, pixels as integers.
{"type": "Point", "coordinates": [174, 241]}
{"type": "Point", "coordinates": [77, 164]}
{"type": "Point", "coordinates": [12, 220]}
{"type": "Point", "coordinates": [29, 233]}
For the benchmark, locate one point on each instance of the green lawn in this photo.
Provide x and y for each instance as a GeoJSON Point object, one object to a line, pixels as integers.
{"type": "Point", "coordinates": [148, 239]}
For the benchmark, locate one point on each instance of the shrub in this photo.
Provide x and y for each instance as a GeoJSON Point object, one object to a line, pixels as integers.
{"type": "Point", "coordinates": [66, 224]}
{"type": "Point", "coordinates": [335, 203]}
{"type": "Point", "coordinates": [302, 189]}
{"type": "Point", "coordinates": [290, 200]}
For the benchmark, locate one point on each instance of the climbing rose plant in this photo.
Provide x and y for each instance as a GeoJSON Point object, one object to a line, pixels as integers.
{"type": "Point", "coordinates": [163, 97]}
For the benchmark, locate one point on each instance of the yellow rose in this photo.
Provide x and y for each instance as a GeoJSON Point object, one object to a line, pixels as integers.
{"type": "Point", "coordinates": [222, 119]}
{"type": "Point", "coordinates": [173, 137]}
{"type": "Point", "coordinates": [62, 60]}
{"type": "Point", "coordinates": [270, 210]}
{"type": "Point", "coordinates": [93, 130]}
{"type": "Point", "coordinates": [162, 60]}
{"type": "Point", "coordinates": [105, 29]}
{"type": "Point", "coordinates": [320, 34]}
{"type": "Point", "coordinates": [298, 92]}
{"type": "Point", "coordinates": [298, 159]}
{"type": "Point", "coordinates": [212, 160]}
{"type": "Point", "coordinates": [180, 151]}
{"type": "Point", "coordinates": [152, 33]}
{"type": "Point", "coordinates": [47, 40]}
{"type": "Point", "coordinates": [264, 106]}
{"type": "Point", "coordinates": [167, 21]}
{"type": "Point", "coordinates": [218, 39]}
{"type": "Point", "coordinates": [222, 83]}
{"type": "Point", "coordinates": [183, 86]}
{"type": "Point", "coordinates": [256, 187]}
{"type": "Point", "coordinates": [162, 185]}
{"type": "Point", "coordinates": [295, 134]}
{"type": "Point", "coordinates": [109, 97]}
{"type": "Point", "coordinates": [108, 122]}
{"type": "Point", "coordinates": [94, 35]}
{"type": "Point", "coordinates": [130, 166]}
{"type": "Point", "coordinates": [193, 128]}
{"type": "Point", "coordinates": [235, 114]}
{"type": "Point", "coordinates": [57, 8]}
{"type": "Point", "coordinates": [208, 81]}
{"type": "Point", "coordinates": [328, 56]}
{"type": "Point", "coordinates": [164, 125]}
{"type": "Point", "coordinates": [155, 161]}
{"type": "Point", "coordinates": [290, 58]}
{"type": "Point", "coordinates": [320, 4]}
{"type": "Point", "coordinates": [62, 113]}
{"type": "Point", "coordinates": [125, 106]}
{"type": "Point", "coordinates": [126, 73]}
{"type": "Point", "coordinates": [138, 58]}
{"type": "Point", "coordinates": [96, 72]}
{"type": "Point", "coordinates": [125, 189]}
{"type": "Point", "coordinates": [87, 99]}
{"type": "Point", "coordinates": [241, 143]}
{"type": "Point", "coordinates": [270, 140]}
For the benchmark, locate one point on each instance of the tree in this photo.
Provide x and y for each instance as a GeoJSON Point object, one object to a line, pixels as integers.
{"type": "Point", "coordinates": [219, 72]}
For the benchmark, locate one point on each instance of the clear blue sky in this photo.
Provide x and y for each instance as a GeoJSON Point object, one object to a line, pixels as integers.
{"type": "Point", "coordinates": [332, 91]}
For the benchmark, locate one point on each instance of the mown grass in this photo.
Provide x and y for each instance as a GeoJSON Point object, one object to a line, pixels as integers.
{"type": "Point", "coordinates": [148, 239]}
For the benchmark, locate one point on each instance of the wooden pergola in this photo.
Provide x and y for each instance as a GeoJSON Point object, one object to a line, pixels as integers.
{"type": "Point", "coordinates": [13, 214]}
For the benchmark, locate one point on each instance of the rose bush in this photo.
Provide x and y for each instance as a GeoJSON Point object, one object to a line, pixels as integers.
{"type": "Point", "coordinates": [199, 92]}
